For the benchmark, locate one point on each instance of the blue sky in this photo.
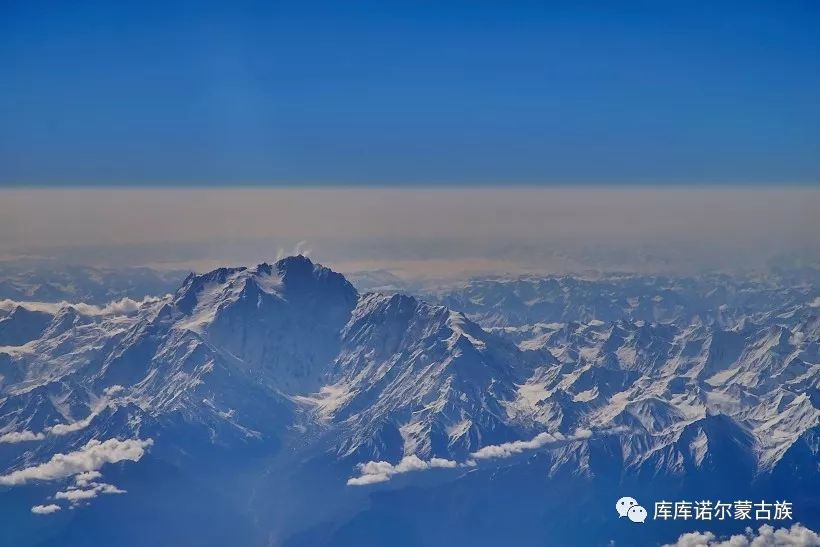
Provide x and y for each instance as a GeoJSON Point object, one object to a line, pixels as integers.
{"type": "Point", "coordinates": [409, 93]}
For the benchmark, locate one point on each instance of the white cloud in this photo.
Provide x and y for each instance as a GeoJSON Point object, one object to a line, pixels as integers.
{"type": "Point", "coordinates": [301, 248]}
{"type": "Point", "coordinates": [59, 429]}
{"type": "Point", "coordinates": [367, 479]}
{"type": "Point", "coordinates": [45, 509]}
{"type": "Point", "coordinates": [110, 489]}
{"type": "Point", "coordinates": [85, 489]}
{"type": "Point", "coordinates": [84, 478]}
{"type": "Point", "coordinates": [815, 303]}
{"type": "Point", "coordinates": [123, 305]}
{"type": "Point", "coordinates": [375, 472]}
{"type": "Point", "coordinates": [693, 539]}
{"type": "Point", "coordinates": [90, 457]}
{"type": "Point", "coordinates": [76, 495]}
{"type": "Point", "coordinates": [117, 307]}
{"type": "Point", "coordinates": [766, 536]}
{"type": "Point", "coordinates": [21, 436]}
{"type": "Point", "coordinates": [64, 429]}
{"type": "Point", "coordinates": [505, 450]}
{"type": "Point", "coordinates": [113, 390]}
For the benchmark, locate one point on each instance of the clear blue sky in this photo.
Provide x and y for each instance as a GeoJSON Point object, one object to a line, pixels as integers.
{"type": "Point", "coordinates": [435, 92]}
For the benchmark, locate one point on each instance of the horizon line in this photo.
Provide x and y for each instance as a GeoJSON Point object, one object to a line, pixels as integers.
{"type": "Point", "coordinates": [786, 185]}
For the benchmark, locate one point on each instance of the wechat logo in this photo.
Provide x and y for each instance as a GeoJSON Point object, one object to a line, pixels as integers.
{"type": "Point", "coordinates": [629, 508]}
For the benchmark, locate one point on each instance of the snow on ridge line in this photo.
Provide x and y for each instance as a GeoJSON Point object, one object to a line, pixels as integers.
{"type": "Point", "coordinates": [26, 435]}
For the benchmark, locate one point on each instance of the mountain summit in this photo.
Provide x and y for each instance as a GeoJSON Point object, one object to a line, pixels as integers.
{"type": "Point", "coordinates": [284, 375]}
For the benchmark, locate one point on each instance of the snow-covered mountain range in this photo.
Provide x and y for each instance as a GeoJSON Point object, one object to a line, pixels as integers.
{"type": "Point", "coordinates": [292, 406]}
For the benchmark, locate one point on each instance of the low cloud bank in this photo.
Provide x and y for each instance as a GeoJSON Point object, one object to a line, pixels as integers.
{"type": "Point", "coordinates": [45, 509]}
{"type": "Point", "coordinates": [65, 429]}
{"type": "Point", "coordinates": [76, 495]}
{"type": "Point", "coordinates": [766, 536]}
{"type": "Point", "coordinates": [506, 450]}
{"type": "Point", "coordinates": [83, 465]}
{"type": "Point", "coordinates": [90, 457]}
{"type": "Point", "coordinates": [117, 307]}
{"type": "Point", "coordinates": [83, 479]}
{"type": "Point", "coordinates": [14, 437]}
{"type": "Point", "coordinates": [375, 472]}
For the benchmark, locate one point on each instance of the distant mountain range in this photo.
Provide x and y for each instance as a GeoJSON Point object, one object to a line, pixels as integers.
{"type": "Point", "coordinates": [47, 281]}
{"type": "Point", "coordinates": [277, 405]}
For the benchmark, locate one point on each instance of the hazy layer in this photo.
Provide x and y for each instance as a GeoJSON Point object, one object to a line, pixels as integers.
{"type": "Point", "coordinates": [417, 231]}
